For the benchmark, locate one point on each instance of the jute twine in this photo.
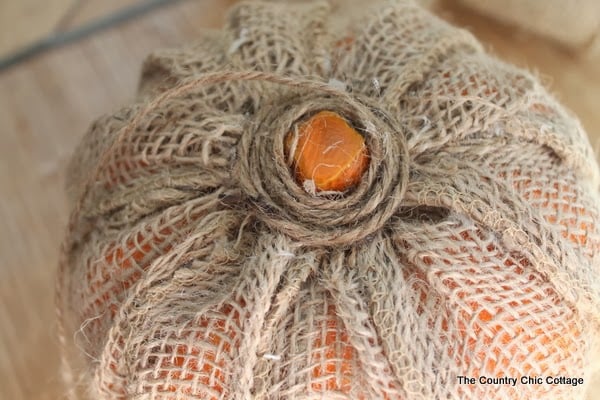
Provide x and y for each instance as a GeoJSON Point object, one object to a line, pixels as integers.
{"type": "Point", "coordinates": [196, 266]}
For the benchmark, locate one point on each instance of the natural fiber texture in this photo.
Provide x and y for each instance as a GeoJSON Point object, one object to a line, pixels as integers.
{"type": "Point", "coordinates": [196, 266]}
{"type": "Point", "coordinates": [574, 23]}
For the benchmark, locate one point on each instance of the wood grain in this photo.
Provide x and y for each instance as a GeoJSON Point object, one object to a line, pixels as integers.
{"type": "Point", "coordinates": [47, 103]}
{"type": "Point", "coordinates": [24, 21]}
{"type": "Point", "coordinates": [86, 11]}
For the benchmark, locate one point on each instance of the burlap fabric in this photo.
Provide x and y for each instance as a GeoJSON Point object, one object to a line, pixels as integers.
{"type": "Point", "coordinates": [196, 266]}
{"type": "Point", "coordinates": [573, 23]}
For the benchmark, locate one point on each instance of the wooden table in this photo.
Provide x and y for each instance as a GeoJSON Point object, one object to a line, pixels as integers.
{"type": "Point", "coordinates": [48, 102]}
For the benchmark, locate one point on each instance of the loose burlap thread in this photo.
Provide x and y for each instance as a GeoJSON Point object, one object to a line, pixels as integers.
{"type": "Point", "coordinates": [197, 267]}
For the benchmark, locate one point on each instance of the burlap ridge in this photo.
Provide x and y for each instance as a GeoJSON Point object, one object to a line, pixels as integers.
{"type": "Point", "coordinates": [195, 266]}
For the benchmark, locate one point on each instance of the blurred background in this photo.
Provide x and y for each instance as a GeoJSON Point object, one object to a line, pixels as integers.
{"type": "Point", "coordinates": [63, 63]}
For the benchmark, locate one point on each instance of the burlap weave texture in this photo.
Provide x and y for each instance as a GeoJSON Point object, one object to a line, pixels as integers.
{"type": "Point", "coordinates": [197, 267]}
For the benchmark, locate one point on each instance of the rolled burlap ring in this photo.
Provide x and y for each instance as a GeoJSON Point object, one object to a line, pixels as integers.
{"type": "Point", "coordinates": [197, 266]}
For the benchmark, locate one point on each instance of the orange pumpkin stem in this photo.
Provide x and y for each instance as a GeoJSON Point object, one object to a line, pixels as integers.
{"type": "Point", "coordinates": [327, 151]}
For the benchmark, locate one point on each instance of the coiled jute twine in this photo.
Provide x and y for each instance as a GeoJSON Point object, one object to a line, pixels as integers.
{"type": "Point", "coordinates": [196, 265]}
{"type": "Point", "coordinates": [266, 177]}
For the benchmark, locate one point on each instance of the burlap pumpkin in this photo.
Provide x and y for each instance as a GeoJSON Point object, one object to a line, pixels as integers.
{"type": "Point", "coordinates": [197, 267]}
